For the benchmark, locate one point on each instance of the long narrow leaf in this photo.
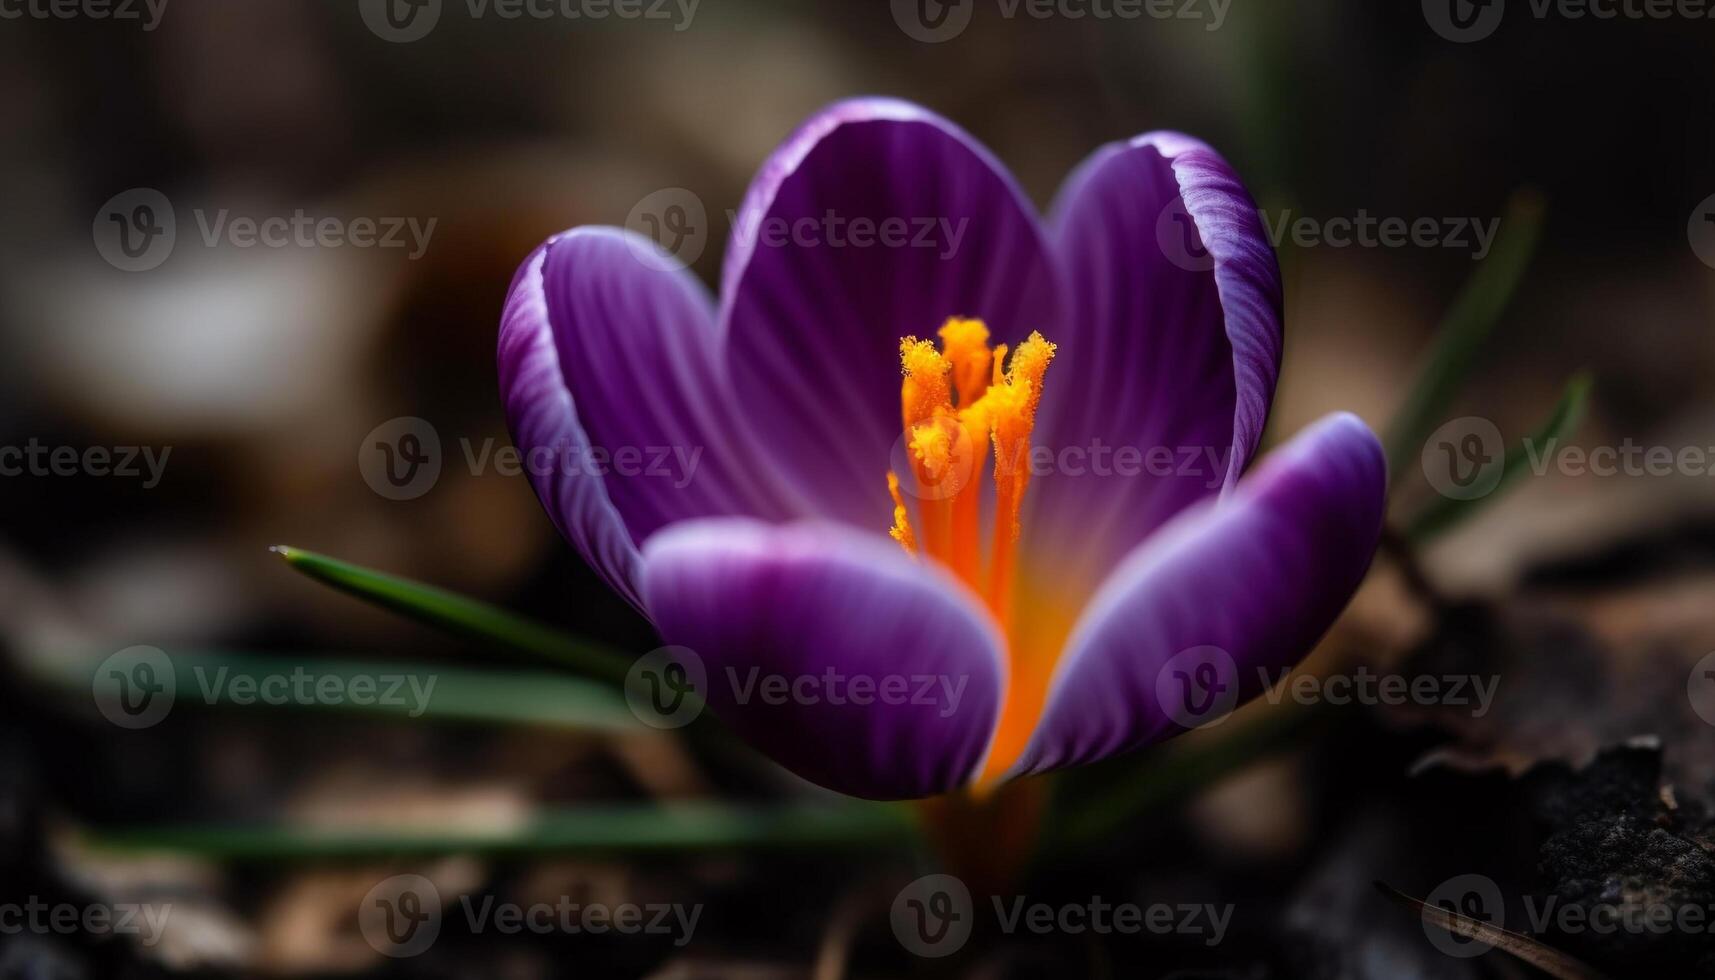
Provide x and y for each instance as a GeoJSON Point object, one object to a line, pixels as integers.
{"type": "Point", "coordinates": [1464, 330]}
{"type": "Point", "coordinates": [661, 829]}
{"type": "Point", "coordinates": [459, 614]}
{"type": "Point", "coordinates": [1568, 413]}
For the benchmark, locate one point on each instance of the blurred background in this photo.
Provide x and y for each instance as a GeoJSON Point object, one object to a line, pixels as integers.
{"type": "Point", "coordinates": [243, 382]}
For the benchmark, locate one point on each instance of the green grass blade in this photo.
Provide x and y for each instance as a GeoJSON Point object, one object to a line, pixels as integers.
{"type": "Point", "coordinates": [1568, 413]}
{"type": "Point", "coordinates": [461, 615]}
{"type": "Point", "coordinates": [1465, 329]}
{"type": "Point", "coordinates": [664, 829]}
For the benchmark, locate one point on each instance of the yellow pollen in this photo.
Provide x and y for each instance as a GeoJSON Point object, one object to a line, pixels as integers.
{"type": "Point", "coordinates": [966, 343]}
{"type": "Point", "coordinates": [901, 530]}
{"type": "Point", "coordinates": [948, 448]}
{"type": "Point", "coordinates": [926, 388]}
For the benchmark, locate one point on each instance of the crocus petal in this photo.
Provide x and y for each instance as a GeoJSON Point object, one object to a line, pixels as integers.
{"type": "Point", "coordinates": [612, 387]}
{"type": "Point", "coordinates": [813, 316]}
{"type": "Point", "coordinates": [1170, 349]}
{"type": "Point", "coordinates": [825, 606]}
{"type": "Point", "coordinates": [1258, 576]}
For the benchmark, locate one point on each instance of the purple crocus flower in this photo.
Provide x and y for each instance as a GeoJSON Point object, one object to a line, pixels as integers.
{"type": "Point", "coordinates": [1036, 602]}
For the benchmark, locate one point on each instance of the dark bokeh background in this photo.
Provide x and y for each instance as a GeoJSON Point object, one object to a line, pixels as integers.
{"type": "Point", "coordinates": [263, 370]}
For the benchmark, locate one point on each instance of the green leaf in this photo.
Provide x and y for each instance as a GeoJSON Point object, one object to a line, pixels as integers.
{"type": "Point", "coordinates": [1447, 512]}
{"type": "Point", "coordinates": [417, 692]}
{"type": "Point", "coordinates": [458, 614]}
{"type": "Point", "coordinates": [1465, 329]}
{"type": "Point", "coordinates": [672, 828]}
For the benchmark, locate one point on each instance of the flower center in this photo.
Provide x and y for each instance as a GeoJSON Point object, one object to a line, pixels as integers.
{"type": "Point", "coordinates": [957, 402]}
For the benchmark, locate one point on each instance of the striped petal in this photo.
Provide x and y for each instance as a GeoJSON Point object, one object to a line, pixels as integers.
{"type": "Point", "coordinates": [1243, 584]}
{"type": "Point", "coordinates": [1169, 353]}
{"type": "Point", "coordinates": [612, 385]}
{"type": "Point", "coordinates": [886, 673]}
{"type": "Point", "coordinates": [876, 220]}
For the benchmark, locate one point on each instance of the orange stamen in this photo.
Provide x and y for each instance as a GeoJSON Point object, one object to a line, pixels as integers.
{"type": "Point", "coordinates": [948, 447]}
